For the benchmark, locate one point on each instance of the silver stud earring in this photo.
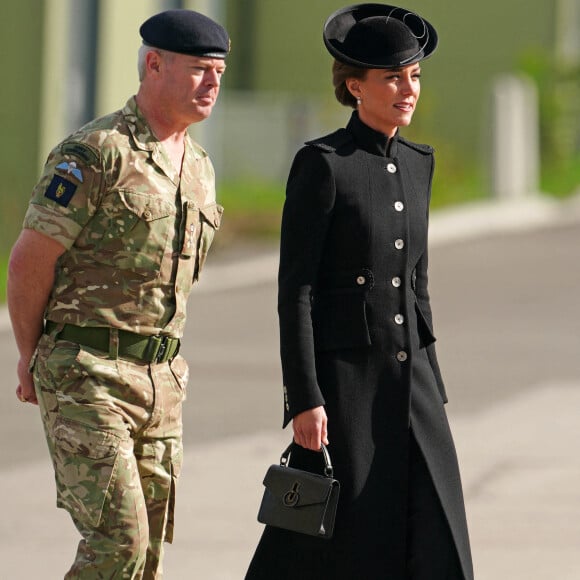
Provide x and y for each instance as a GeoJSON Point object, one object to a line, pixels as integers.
{"type": "Point", "coordinates": [358, 101]}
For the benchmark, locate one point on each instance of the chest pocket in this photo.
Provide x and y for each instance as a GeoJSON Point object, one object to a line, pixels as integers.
{"type": "Point", "coordinates": [131, 230]}
{"type": "Point", "coordinates": [210, 218]}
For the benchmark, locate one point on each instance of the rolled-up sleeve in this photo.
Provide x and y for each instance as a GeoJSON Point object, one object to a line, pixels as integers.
{"type": "Point", "coordinates": [66, 196]}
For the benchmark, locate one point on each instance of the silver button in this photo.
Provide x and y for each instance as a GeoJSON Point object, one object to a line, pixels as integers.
{"type": "Point", "coordinates": [401, 356]}
{"type": "Point", "coordinates": [391, 168]}
{"type": "Point", "coordinates": [399, 244]}
{"type": "Point", "coordinates": [361, 280]}
{"type": "Point", "coordinates": [396, 281]}
{"type": "Point", "coordinates": [399, 206]}
{"type": "Point", "coordinates": [399, 319]}
{"type": "Point", "coordinates": [147, 214]}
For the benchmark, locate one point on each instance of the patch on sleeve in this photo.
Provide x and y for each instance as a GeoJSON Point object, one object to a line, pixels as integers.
{"type": "Point", "coordinates": [71, 169]}
{"type": "Point", "coordinates": [83, 152]}
{"type": "Point", "coordinates": [60, 190]}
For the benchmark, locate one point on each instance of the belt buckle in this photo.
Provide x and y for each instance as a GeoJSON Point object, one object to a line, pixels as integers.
{"type": "Point", "coordinates": [162, 349]}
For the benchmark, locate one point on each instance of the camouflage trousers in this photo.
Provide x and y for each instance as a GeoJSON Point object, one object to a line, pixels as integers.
{"type": "Point", "coordinates": [113, 429]}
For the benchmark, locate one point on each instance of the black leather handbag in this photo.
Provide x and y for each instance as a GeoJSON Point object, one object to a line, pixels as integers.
{"type": "Point", "coordinates": [299, 500]}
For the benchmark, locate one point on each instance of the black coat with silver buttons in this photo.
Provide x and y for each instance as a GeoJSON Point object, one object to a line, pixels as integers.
{"type": "Point", "coordinates": [356, 336]}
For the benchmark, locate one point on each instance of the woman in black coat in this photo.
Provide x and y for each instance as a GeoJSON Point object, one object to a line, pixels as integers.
{"type": "Point", "coordinates": [357, 345]}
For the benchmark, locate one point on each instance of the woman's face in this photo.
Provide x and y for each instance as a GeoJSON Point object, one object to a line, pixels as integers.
{"type": "Point", "coordinates": [387, 97]}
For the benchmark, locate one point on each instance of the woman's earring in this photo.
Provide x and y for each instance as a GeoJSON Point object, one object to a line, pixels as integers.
{"type": "Point", "coordinates": [358, 101]}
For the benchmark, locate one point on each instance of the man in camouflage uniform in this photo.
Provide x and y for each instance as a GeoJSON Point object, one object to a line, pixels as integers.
{"type": "Point", "coordinates": [116, 233]}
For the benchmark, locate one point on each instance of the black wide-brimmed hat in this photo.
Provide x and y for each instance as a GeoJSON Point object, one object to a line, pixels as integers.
{"type": "Point", "coordinates": [378, 36]}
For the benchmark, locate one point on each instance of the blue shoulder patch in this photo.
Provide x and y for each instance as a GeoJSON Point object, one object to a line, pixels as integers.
{"type": "Point", "coordinates": [60, 190]}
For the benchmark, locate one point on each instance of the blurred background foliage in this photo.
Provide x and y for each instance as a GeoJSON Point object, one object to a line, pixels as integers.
{"type": "Point", "coordinates": [558, 86]}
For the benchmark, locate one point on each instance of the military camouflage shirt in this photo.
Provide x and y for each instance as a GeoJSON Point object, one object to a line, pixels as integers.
{"type": "Point", "coordinates": [136, 232]}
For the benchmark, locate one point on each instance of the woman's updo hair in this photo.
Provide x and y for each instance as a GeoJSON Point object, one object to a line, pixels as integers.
{"type": "Point", "coordinates": [340, 73]}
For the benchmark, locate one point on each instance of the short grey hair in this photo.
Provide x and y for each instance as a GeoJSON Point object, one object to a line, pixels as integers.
{"type": "Point", "coordinates": [142, 55]}
{"type": "Point", "coordinates": [143, 50]}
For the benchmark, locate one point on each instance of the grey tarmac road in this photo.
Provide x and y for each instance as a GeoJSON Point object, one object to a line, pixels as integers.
{"type": "Point", "coordinates": [504, 285]}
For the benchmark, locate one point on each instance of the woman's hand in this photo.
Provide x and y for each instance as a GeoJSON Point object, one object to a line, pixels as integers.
{"type": "Point", "coordinates": [310, 428]}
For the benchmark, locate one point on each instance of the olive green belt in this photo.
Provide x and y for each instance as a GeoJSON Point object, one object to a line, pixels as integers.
{"type": "Point", "coordinates": [149, 349]}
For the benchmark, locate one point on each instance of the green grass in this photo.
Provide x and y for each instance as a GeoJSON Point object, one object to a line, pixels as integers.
{"type": "Point", "coordinates": [447, 192]}
{"type": "Point", "coordinates": [252, 209]}
{"type": "Point", "coordinates": [250, 195]}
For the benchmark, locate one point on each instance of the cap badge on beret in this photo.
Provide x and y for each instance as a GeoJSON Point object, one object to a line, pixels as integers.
{"type": "Point", "coordinates": [378, 36]}
{"type": "Point", "coordinates": [186, 32]}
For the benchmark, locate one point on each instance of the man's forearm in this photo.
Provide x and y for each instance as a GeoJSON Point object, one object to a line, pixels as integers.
{"type": "Point", "coordinates": [30, 280]}
{"type": "Point", "coordinates": [26, 309]}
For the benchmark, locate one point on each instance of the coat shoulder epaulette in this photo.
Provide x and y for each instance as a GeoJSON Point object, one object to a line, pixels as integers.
{"type": "Point", "coordinates": [331, 142]}
{"type": "Point", "coordinates": [425, 149]}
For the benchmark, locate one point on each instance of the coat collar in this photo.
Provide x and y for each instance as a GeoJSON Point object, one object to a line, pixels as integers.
{"type": "Point", "coordinates": [374, 142]}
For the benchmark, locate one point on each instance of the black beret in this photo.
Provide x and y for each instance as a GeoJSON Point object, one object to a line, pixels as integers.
{"type": "Point", "coordinates": [378, 36]}
{"type": "Point", "coordinates": [186, 32]}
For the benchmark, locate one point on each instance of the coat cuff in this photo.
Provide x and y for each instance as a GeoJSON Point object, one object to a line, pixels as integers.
{"type": "Point", "coordinates": [293, 406]}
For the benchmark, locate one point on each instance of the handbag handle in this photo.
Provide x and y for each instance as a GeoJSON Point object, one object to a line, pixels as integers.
{"type": "Point", "coordinates": [328, 469]}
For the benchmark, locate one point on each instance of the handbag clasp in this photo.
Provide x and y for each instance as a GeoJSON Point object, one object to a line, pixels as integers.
{"type": "Point", "coordinates": [291, 497]}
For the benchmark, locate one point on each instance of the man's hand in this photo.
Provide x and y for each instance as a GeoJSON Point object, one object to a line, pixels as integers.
{"type": "Point", "coordinates": [25, 390]}
{"type": "Point", "coordinates": [310, 428]}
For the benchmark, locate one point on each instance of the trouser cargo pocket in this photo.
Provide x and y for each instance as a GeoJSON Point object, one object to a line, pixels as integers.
{"type": "Point", "coordinates": [85, 461]}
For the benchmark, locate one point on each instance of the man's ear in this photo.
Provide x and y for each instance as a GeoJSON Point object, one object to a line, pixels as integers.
{"type": "Point", "coordinates": [153, 61]}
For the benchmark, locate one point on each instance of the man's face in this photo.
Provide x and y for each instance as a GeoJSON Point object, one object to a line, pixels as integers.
{"type": "Point", "coordinates": [190, 85]}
